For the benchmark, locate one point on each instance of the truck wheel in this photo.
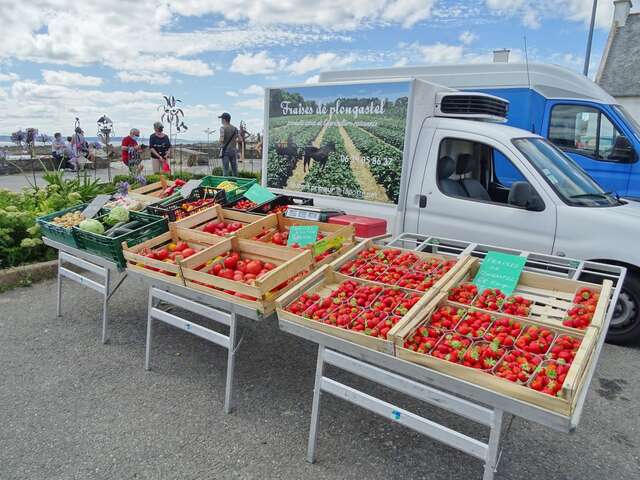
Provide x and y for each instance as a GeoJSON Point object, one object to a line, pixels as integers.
{"type": "Point", "coordinates": [624, 328]}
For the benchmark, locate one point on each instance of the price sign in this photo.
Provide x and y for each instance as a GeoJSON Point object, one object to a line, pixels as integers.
{"type": "Point", "coordinates": [303, 235]}
{"type": "Point", "coordinates": [188, 187]}
{"type": "Point", "coordinates": [258, 194]}
{"type": "Point", "coordinates": [500, 270]}
{"type": "Point", "coordinates": [327, 244]}
{"type": "Point", "coordinates": [96, 204]}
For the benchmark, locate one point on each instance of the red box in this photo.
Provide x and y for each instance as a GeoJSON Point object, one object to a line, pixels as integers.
{"type": "Point", "coordinates": [366, 227]}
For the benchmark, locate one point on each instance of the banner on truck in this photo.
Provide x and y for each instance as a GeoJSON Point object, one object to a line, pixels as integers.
{"type": "Point", "coordinates": [340, 140]}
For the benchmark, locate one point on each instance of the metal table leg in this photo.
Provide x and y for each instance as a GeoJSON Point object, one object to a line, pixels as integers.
{"type": "Point", "coordinates": [231, 360]}
{"type": "Point", "coordinates": [59, 304]}
{"type": "Point", "coordinates": [491, 462]}
{"type": "Point", "coordinates": [105, 302]}
{"type": "Point", "coordinates": [315, 407]}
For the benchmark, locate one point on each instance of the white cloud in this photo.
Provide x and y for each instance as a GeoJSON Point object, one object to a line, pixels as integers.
{"type": "Point", "coordinates": [196, 68]}
{"type": "Point", "coordinates": [73, 79]}
{"type": "Point", "coordinates": [402, 62]}
{"type": "Point", "coordinates": [231, 93]}
{"type": "Point", "coordinates": [321, 61]}
{"type": "Point", "coordinates": [252, 103]}
{"type": "Point", "coordinates": [9, 77]}
{"type": "Point", "coordinates": [439, 53]}
{"type": "Point", "coordinates": [253, 64]}
{"type": "Point", "coordinates": [3, 93]}
{"type": "Point", "coordinates": [408, 12]}
{"type": "Point", "coordinates": [531, 19]}
{"type": "Point", "coordinates": [467, 37]}
{"type": "Point", "coordinates": [313, 79]}
{"type": "Point", "coordinates": [252, 90]}
{"type": "Point", "coordinates": [145, 77]}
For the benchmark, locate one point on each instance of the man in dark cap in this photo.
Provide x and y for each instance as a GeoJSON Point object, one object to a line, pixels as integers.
{"type": "Point", "coordinates": [228, 137]}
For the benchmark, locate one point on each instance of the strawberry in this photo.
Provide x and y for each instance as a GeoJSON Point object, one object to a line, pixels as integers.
{"type": "Point", "coordinates": [342, 315]}
{"type": "Point", "coordinates": [405, 259]}
{"type": "Point", "coordinates": [406, 304]}
{"type": "Point", "coordinates": [388, 300]}
{"type": "Point", "coordinates": [302, 303]}
{"type": "Point", "coordinates": [517, 305]}
{"type": "Point", "coordinates": [535, 340]}
{"type": "Point", "coordinates": [424, 339]}
{"type": "Point", "coordinates": [564, 349]}
{"type": "Point", "coordinates": [451, 347]}
{"type": "Point", "coordinates": [371, 271]}
{"type": "Point", "coordinates": [483, 355]}
{"type": "Point", "coordinates": [392, 275]}
{"type": "Point", "coordinates": [365, 295]}
{"type": "Point", "coordinates": [446, 317]}
{"type": "Point", "coordinates": [549, 378]}
{"type": "Point", "coordinates": [504, 330]}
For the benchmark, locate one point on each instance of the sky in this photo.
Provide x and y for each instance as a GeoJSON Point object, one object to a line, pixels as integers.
{"type": "Point", "coordinates": [61, 59]}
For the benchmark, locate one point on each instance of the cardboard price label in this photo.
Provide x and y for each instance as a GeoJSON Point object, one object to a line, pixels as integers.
{"type": "Point", "coordinates": [303, 235]}
{"type": "Point", "coordinates": [327, 244]}
{"type": "Point", "coordinates": [500, 270]}
{"type": "Point", "coordinates": [96, 204]}
{"type": "Point", "coordinates": [258, 194]}
{"type": "Point", "coordinates": [188, 187]}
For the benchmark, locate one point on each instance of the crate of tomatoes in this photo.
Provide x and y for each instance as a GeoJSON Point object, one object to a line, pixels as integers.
{"type": "Point", "coordinates": [277, 205]}
{"type": "Point", "coordinates": [332, 240]}
{"type": "Point", "coordinates": [246, 272]}
{"type": "Point", "coordinates": [360, 311]}
{"type": "Point", "coordinates": [218, 221]}
{"type": "Point", "coordinates": [164, 256]}
{"type": "Point", "coordinates": [198, 200]}
{"type": "Point", "coordinates": [516, 356]}
{"type": "Point", "coordinates": [551, 300]}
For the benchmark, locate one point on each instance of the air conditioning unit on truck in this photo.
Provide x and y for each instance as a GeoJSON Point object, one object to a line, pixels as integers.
{"type": "Point", "coordinates": [434, 160]}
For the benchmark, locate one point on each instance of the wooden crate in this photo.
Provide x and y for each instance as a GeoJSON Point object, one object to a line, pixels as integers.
{"type": "Point", "coordinates": [325, 280]}
{"type": "Point", "coordinates": [569, 393]}
{"type": "Point", "coordinates": [290, 263]}
{"type": "Point", "coordinates": [552, 296]}
{"type": "Point", "coordinates": [217, 214]}
{"type": "Point", "coordinates": [438, 285]}
{"type": "Point", "coordinates": [155, 189]}
{"type": "Point", "coordinates": [263, 231]}
{"type": "Point", "coordinates": [136, 260]}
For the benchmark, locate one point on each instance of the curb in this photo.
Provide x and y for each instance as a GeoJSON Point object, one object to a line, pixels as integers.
{"type": "Point", "coordinates": [34, 273]}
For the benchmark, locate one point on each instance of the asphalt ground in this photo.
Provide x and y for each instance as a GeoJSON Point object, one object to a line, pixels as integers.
{"type": "Point", "coordinates": [72, 408]}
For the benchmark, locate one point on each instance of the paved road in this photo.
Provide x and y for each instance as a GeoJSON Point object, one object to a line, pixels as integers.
{"type": "Point", "coordinates": [71, 408]}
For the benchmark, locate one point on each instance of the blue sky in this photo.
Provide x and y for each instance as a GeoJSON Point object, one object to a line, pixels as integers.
{"type": "Point", "coordinates": [59, 59]}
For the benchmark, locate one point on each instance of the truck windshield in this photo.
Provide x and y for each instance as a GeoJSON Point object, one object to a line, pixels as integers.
{"type": "Point", "coordinates": [569, 181]}
{"type": "Point", "coordinates": [632, 123]}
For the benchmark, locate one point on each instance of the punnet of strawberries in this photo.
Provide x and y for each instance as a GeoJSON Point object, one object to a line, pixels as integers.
{"type": "Point", "coordinates": [564, 349]}
{"type": "Point", "coordinates": [446, 317]}
{"type": "Point", "coordinates": [535, 340]}
{"type": "Point", "coordinates": [483, 355]}
{"type": "Point", "coordinates": [584, 307]}
{"type": "Point", "coordinates": [452, 347]}
{"type": "Point", "coordinates": [474, 324]}
{"type": "Point", "coordinates": [504, 330]}
{"type": "Point", "coordinates": [549, 378]}
{"type": "Point", "coordinates": [490, 299]}
{"type": "Point", "coordinates": [424, 339]}
{"type": "Point", "coordinates": [464, 293]}
{"type": "Point", "coordinates": [517, 305]}
{"type": "Point", "coordinates": [517, 366]}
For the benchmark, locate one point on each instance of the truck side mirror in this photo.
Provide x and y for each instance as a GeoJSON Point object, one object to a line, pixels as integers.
{"type": "Point", "coordinates": [622, 150]}
{"type": "Point", "coordinates": [524, 196]}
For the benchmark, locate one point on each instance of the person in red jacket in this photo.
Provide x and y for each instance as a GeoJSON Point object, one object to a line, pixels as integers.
{"type": "Point", "coordinates": [131, 151]}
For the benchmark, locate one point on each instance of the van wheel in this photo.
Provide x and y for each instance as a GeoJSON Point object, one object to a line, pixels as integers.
{"type": "Point", "coordinates": [624, 328]}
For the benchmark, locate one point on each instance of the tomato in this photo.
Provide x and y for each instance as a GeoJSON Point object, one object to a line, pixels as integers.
{"type": "Point", "coordinates": [278, 239]}
{"type": "Point", "coordinates": [162, 254]}
{"type": "Point", "coordinates": [226, 273]}
{"type": "Point", "coordinates": [187, 252]}
{"type": "Point", "coordinates": [180, 246]}
{"type": "Point", "coordinates": [254, 267]}
{"type": "Point", "coordinates": [269, 266]}
{"type": "Point", "coordinates": [230, 262]}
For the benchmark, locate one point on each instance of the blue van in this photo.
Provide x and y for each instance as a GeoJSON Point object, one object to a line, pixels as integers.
{"type": "Point", "coordinates": [570, 110]}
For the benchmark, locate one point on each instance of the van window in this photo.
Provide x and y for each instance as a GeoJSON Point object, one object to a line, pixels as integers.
{"type": "Point", "coordinates": [583, 130]}
{"type": "Point", "coordinates": [478, 172]}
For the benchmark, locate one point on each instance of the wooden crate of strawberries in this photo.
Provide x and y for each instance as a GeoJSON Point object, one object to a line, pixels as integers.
{"type": "Point", "coordinates": [515, 356]}
{"type": "Point", "coordinates": [218, 221]}
{"type": "Point", "coordinates": [550, 300]}
{"type": "Point", "coordinates": [274, 229]}
{"type": "Point", "coordinates": [420, 271]}
{"type": "Point", "coordinates": [246, 272]}
{"type": "Point", "coordinates": [164, 255]}
{"type": "Point", "coordinates": [360, 311]}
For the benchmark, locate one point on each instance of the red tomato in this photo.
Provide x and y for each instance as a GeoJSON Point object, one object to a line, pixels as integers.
{"type": "Point", "coordinates": [277, 238]}
{"type": "Point", "coordinates": [230, 262]}
{"type": "Point", "coordinates": [216, 268]}
{"type": "Point", "coordinates": [241, 266]}
{"type": "Point", "coordinates": [226, 273]}
{"type": "Point", "coordinates": [180, 246]}
{"type": "Point", "coordinates": [269, 266]}
{"type": "Point", "coordinates": [254, 267]}
{"type": "Point", "coordinates": [162, 254]}
{"type": "Point", "coordinates": [187, 252]}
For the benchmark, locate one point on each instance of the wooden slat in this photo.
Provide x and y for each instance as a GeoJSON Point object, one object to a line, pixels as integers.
{"type": "Point", "coordinates": [603, 303]}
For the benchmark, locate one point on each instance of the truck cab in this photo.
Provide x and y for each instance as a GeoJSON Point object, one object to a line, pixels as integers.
{"type": "Point", "coordinates": [568, 109]}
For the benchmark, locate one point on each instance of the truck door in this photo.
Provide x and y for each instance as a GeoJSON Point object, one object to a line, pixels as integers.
{"type": "Point", "coordinates": [590, 137]}
{"type": "Point", "coordinates": [467, 198]}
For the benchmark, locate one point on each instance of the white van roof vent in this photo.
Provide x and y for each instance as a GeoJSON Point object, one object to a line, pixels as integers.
{"type": "Point", "coordinates": [478, 106]}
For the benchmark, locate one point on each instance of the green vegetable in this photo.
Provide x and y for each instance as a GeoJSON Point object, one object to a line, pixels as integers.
{"type": "Point", "coordinates": [91, 225]}
{"type": "Point", "coordinates": [116, 215]}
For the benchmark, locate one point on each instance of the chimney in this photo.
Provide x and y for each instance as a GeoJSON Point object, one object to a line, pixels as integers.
{"type": "Point", "coordinates": [621, 12]}
{"type": "Point", "coordinates": [501, 56]}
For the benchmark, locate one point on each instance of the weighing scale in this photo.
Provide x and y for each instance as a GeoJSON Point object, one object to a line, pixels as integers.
{"type": "Point", "coordinates": [315, 214]}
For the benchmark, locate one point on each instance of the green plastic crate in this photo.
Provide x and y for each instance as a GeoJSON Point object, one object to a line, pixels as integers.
{"type": "Point", "coordinates": [111, 247]}
{"type": "Point", "coordinates": [243, 185]}
{"type": "Point", "coordinates": [58, 233]}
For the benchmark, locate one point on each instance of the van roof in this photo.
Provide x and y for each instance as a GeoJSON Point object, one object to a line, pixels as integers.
{"type": "Point", "coordinates": [551, 81]}
{"type": "Point", "coordinates": [504, 133]}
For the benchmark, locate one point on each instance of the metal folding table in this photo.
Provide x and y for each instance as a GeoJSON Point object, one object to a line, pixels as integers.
{"type": "Point", "coordinates": [220, 311]}
{"type": "Point", "coordinates": [465, 399]}
{"type": "Point", "coordinates": [103, 268]}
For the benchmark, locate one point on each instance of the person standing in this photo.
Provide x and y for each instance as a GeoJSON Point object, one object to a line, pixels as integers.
{"type": "Point", "coordinates": [57, 150]}
{"type": "Point", "coordinates": [81, 145]}
{"type": "Point", "coordinates": [159, 149]}
{"type": "Point", "coordinates": [228, 138]}
{"type": "Point", "coordinates": [131, 151]}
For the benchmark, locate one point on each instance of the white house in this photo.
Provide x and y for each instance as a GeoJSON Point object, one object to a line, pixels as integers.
{"type": "Point", "coordinates": [619, 71]}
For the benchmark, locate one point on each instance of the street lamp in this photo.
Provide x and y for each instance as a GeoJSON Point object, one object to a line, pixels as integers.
{"type": "Point", "coordinates": [587, 57]}
{"type": "Point", "coordinates": [105, 128]}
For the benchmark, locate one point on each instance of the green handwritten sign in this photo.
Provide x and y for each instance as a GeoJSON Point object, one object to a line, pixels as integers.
{"type": "Point", "coordinates": [303, 235]}
{"type": "Point", "coordinates": [500, 270]}
{"type": "Point", "coordinates": [327, 244]}
{"type": "Point", "coordinates": [258, 194]}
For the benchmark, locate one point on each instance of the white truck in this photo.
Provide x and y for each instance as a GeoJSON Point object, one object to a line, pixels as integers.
{"type": "Point", "coordinates": [437, 161]}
